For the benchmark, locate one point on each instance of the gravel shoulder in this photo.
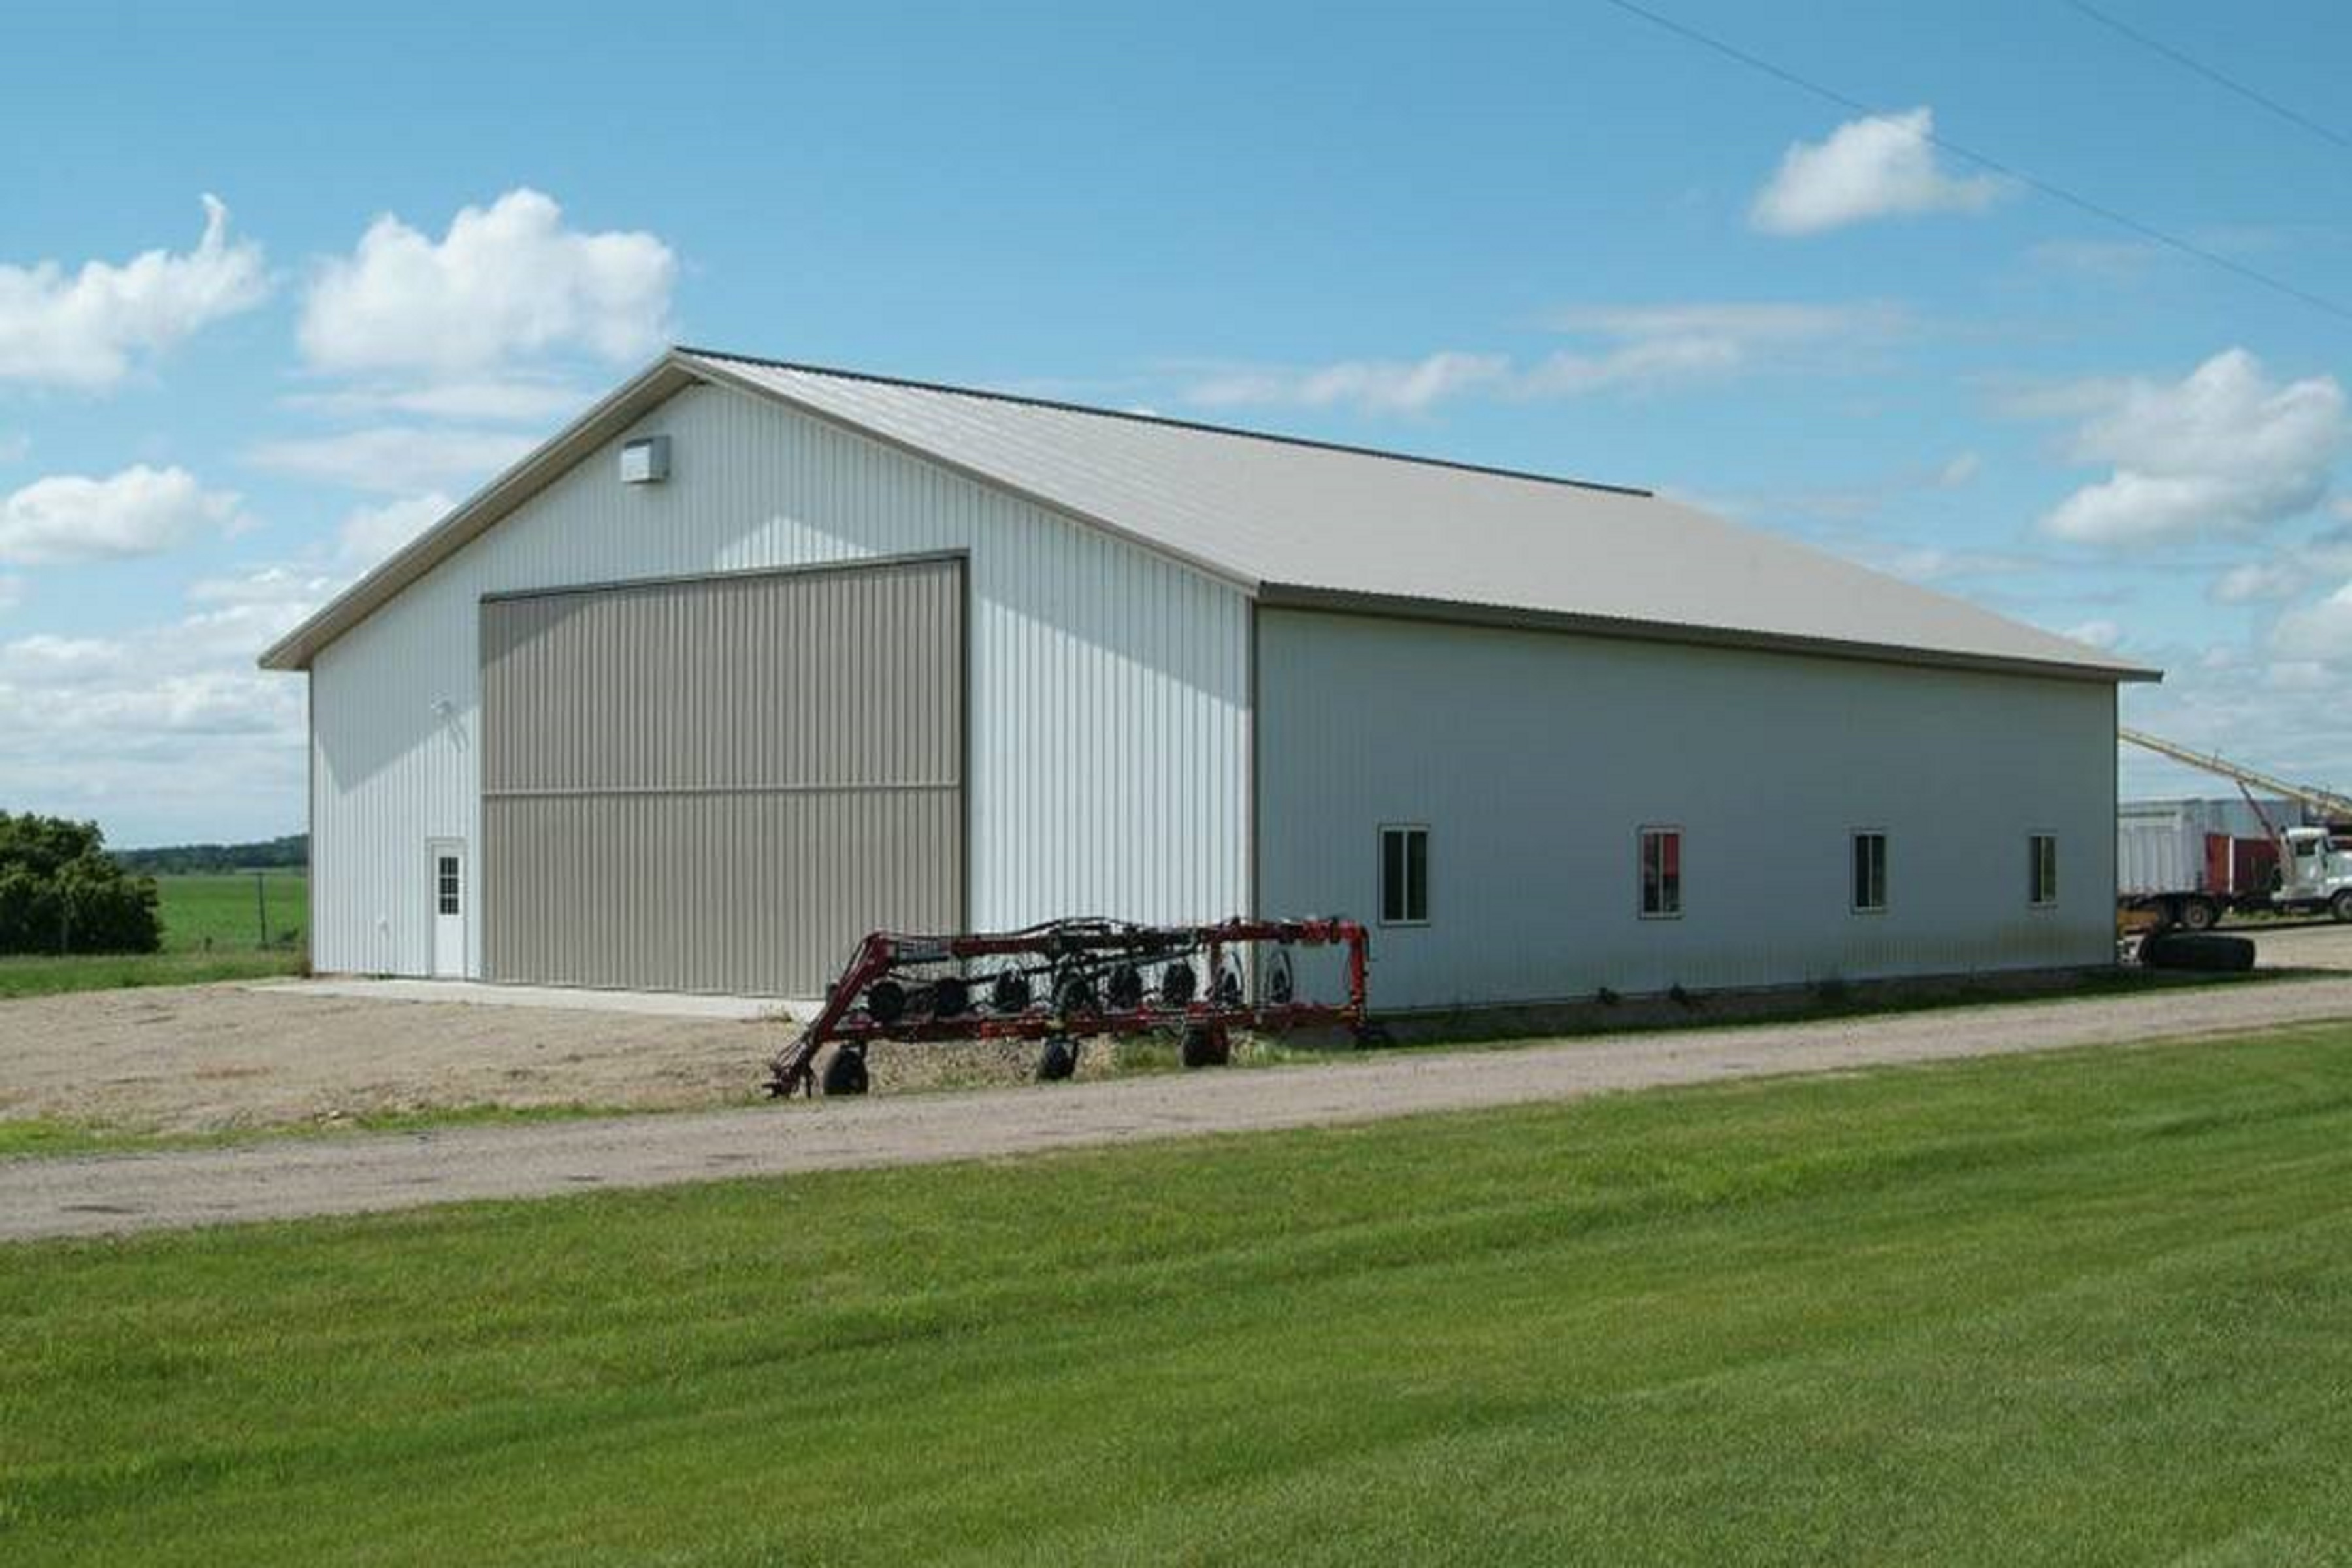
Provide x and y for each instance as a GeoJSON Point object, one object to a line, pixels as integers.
{"type": "Point", "coordinates": [278, 1179]}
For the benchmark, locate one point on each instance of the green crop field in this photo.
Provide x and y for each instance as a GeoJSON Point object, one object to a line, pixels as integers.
{"type": "Point", "coordinates": [226, 912]}
{"type": "Point", "coordinates": [2076, 1309]}
{"type": "Point", "coordinates": [213, 927]}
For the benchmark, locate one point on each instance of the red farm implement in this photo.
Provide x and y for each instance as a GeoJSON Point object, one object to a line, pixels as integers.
{"type": "Point", "coordinates": [1071, 980]}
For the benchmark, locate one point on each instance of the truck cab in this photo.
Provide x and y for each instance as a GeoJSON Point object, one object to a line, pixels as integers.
{"type": "Point", "coordinates": [2315, 871]}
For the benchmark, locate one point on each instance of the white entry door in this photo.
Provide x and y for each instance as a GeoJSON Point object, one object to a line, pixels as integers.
{"type": "Point", "coordinates": [448, 908]}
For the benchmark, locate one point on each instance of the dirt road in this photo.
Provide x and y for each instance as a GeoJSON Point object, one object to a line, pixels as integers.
{"type": "Point", "coordinates": [288, 1177]}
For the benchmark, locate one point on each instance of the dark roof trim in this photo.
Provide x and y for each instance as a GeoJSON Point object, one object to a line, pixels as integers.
{"type": "Point", "coordinates": [1299, 596]}
{"type": "Point", "coordinates": [1193, 425]}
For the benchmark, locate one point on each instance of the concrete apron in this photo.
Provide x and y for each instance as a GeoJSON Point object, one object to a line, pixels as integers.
{"type": "Point", "coordinates": [559, 999]}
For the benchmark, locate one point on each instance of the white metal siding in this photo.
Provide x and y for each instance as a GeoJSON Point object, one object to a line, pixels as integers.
{"type": "Point", "coordinates": [1109, 686]}
{"type": "Point", "coordinates": [1536, 758]}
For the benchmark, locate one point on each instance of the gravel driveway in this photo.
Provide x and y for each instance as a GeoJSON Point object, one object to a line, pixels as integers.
{"type": "Point", "coordinates": [283, 1178]}
{"type": "Point", "coordinates": [206, 1058]}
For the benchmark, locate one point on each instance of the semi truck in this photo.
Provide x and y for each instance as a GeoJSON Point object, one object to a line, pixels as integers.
{"type": "Point", "coordinates": [2188, 863]}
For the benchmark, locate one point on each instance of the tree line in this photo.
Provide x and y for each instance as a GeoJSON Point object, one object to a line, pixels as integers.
{"type": "Point", "coordinates": [62, 892]}
{"type": "Point", "coordinates": [291, 852]}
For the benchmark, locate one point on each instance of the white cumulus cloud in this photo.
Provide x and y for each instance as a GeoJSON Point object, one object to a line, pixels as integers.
{"type": "Point", "coordinates": [371, 533]}
{"type": "Point", "coordinates": [2227, 450]}
{"type": "Point", "coordinates": [1884, 165]}
{"type": "Point", "coordinates": [1379, 386]}
{"type": "Point", "coordinates": [2100, 634]}
{"type": "Point", "coordinates": [513, 399]}
{"type": "Point", "coordinates": [1634, 349]}
{"type": "Point", "coordinates": [83, 328]}
{"type": "Point", "coordinates": [392, 460]}
{"type": "Point", "coordinates": [279, 587]}
{"type": "Point", "coordinates": [166, 731]}
{"type": "Point", "coordinates": [2255, 582]}
{"type": "Point", "coordinates": [70, 518]}
{"type": "Point", "coordinates": [2318, 634]}
{"type": "Point", "coordinates": [506, 282]}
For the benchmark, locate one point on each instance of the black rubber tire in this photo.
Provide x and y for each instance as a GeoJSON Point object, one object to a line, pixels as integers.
{"type": "Point", "coordinates": [1205, 1048]}
{"type": "Point", "coordinates": [1073, 997]}
{"type": "Point", "coordinates": [1125, 988]}
{"type": "Point", "coordinates": [1177, 983]}
{"type": "Point", "coordinates": [845, 1073]}
{"type": "Point", "coordinates": [1057, 1061]}
{"type": "Point", "coordinates": [2204, 952]}
{"type": "Point", "coordinates": [1281, 979]}
{"type": "Point", "coordinates": [1009, 992]}
{"type": "Point", "coordinates": [951, 997]}
{"type": "Point", "coordinates": [2199, 914]}
{"type": "Point", "coordinates": [886, 1002]}
{"type": "Point", "coordinates": [2340, 906]}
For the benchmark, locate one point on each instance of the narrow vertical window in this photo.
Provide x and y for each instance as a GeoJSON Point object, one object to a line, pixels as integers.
{"type": "Point", "coordinates": [1405, 876]}
{"type": "Point", "coordinates": [1662, 873]}
{"type": "Point", "coordinates": [2043, 887]}
{"type": "Point", "coordinates": [1869, 872]}
{"type": "Point", "coordinates": [446, 875]}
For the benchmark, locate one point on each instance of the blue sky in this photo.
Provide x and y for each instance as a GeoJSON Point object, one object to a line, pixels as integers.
{"type": "Point", "coordinates": [1556, 237]}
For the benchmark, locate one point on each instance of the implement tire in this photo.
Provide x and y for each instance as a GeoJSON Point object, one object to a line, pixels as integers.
{"type": "Point", "coordinates": [845, 1073]}
{"type": "Point", "coordinates": [1205, 1048]}
{"type": "Point", "coordinates": [2207, 953]}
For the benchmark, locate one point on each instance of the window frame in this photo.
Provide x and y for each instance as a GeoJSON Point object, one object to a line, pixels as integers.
{"type": "Point", "coordinates": [1854, 878]}
{"type": "Point", "coordinates": [1641, 837]}
{"type": "Point", "coordinates": [1405, 870]}
{"type": "Point", "coordinates": [448, 883]}
{"type": "Point", "coordinates": [2036, 896]}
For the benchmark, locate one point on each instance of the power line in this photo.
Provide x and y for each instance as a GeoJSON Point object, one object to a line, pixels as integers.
{"type": "Point", "coordinates": [2007, 171]}
{"type": "Point", "coordinates": [2251, 95]}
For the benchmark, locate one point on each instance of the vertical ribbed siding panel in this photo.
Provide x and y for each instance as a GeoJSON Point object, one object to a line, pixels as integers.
{"type": "Point", "coordinates": [664, 763]}
{"type": "Point", "coordinates": [1108, 688]}
{"type": "Point", "coordinates": [1535, 759]}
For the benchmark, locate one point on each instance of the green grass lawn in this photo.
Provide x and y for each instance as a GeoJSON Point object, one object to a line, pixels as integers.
{"type": "Point", "coordinates": [212, 931]}
{"type": "Point", "coordinates": [2079, 1309]}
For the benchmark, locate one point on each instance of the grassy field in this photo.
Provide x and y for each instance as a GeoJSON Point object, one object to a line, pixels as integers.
{"type": "Point", "coordinates": [222, 914]}
{"type": "Point", "coordinates": [2078, 1308]}
{"type": "Point", "coordinates": [212, 931]}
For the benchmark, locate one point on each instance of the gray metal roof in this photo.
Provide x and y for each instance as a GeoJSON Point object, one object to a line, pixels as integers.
{"type": "Point", "coordinates": [1307, 522]}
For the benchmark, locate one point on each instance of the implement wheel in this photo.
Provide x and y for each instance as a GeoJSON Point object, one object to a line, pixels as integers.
{"type": "Point", "coordinates": [845, 1073]}
{"type": "Point", "coordinates": [2340, 906]}
{"type": "Point", "coordinates": [2198, 914]}
{"type": "Point", "coordinates": [1057, 1061]}
{"type": "Point", "coordinates": [1205, 1048]}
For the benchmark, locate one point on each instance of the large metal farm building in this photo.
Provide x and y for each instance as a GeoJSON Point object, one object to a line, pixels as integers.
{"type": "Point", "coordinates": [755, 658]}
